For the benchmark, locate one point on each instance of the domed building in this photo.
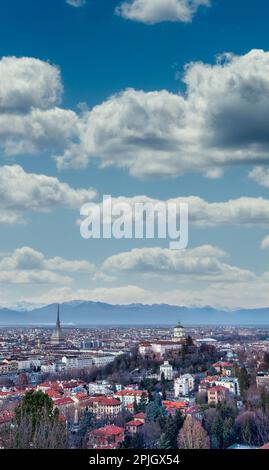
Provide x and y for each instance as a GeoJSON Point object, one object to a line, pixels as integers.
{"type": "Point", "coordinates": [179, 333]}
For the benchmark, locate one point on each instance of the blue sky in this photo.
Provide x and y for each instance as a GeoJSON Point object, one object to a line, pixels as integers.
{"type": "Point", "coordinates": [95, 55]}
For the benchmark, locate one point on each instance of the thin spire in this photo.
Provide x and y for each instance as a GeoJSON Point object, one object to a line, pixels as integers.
{"type": "Point", "coordinates": [58, 316]}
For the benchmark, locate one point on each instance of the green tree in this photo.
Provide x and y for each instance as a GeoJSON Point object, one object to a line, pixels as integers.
{"type": "Point", "coordinates": [154, 410]}
{"type": "Point", "coordinates": [228, 432]}
{"type": "Point", "coordinates": [243, 380]}
{"type": "Point", "coordinates": [36, 424]}
{"type": "Point", "coordinates": [217, 431]}
{"type": "Point", "coordinates": [164, 442]}
{"type": "Point", "coordinates": [36, 404]}
{"type": "Point", "coordinates": [141, 406]}
{"type": "Point", "coordinates": [171, 428]}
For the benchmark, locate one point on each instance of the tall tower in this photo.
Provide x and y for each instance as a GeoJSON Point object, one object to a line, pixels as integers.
{"type": "Point", "coordinates": [57, 336]}
{"type": "Point", "coordinates": [178, 333]}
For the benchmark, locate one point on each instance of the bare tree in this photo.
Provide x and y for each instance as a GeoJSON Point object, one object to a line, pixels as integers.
{"type": "Point", "coordinates": [193, 435]}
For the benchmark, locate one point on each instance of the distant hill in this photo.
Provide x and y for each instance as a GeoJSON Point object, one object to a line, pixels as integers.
{"type": "Point", "coordinates": [97, 313]}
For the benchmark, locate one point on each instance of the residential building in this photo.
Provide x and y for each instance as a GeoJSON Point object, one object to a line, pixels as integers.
{"type": "Point", "coordinates": [105, 407]}
{"type": "Point", "coordinates": [217, 394]}
{"type": "Point", "coordinates": [108, 437]}
{"type": "Point", "coordinates": [183, 385]}
{"type": "Point", "coordinates": [131, 397]}
{"type": "Point", "coordinates": [167, 370]}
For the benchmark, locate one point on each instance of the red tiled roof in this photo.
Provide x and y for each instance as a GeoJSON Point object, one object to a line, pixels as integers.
{"type": "Point", "coordinates": [134, 422]}
{"type": "Point", "coordinates": [139, 415]}
{"type": "Point", "coordinates": [106, 401]}
{"type": "Point", "coordinates": [175, 404]}
{"type": "Point", "coordinates": [110, 430]}
{"type": "Point", "coordinates": [123, 393]}
{"type": "Point", "coordinates": [218, 388]}
{"type": "Point", "coordinates": [53, 393]}
{"type": "Point", "coordinates": [64, 401]}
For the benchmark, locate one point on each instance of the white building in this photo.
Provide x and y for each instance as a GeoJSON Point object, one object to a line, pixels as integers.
{"type": "Point", "coordinates": [183, 385]}
{"type": "Point", "coordinates": [77, 362]}
{"type": "Point", "coordinates": [27, 364]}
{"type": "Point", "coordinates": [48, 367]}
{"type": "Point", "coordinates": [167, 370]}
{"type": "Point", "coordinates": [129, 397]}
{"type": "Point", "coordinates": [101, 360]}
{"type": "Point", "coordinates": [231, 383]}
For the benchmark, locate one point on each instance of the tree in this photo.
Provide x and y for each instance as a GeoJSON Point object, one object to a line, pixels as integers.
{"type": "Point", "coordinates": [189, 341]}
{"type": "Point", "coordinates": [171, 429]}
{"type": "Point", "coordinates": [164, 442]}
{"type": "Point", "coordinates": [37, 424]}
{"type": "Point", "coordinates": [266, 360]}
{"type": "Point", "coordinates": [86, 424]}
{"type": "Point", "coordinates": [217, 432]}
{"type": "Point", "coordinates": [193, 435]}
{"type": "Point", "coordinates": [141, 406]}
{"type": "Point", "coordinates": [243, 380]}
{"type": "Point", "coordinates": [154, 410]}
{"type": "Point", "coordinates": [35, 404]}
{"type": "Point", "coordinates": [228, 432]}
{"type": "Point", "coordinates": [163, 386]}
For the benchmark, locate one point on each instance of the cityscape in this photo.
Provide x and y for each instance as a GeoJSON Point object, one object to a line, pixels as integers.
{"type": "Point", "coordinates": [136, 387]}
{"type": "Point", "coordinates": [134, 232]}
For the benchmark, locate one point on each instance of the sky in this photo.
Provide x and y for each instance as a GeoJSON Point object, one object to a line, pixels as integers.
{"type": "Point", "coordinates": [164, 100]}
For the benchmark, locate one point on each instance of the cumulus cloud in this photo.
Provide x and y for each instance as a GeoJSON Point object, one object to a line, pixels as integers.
{"type": "Point", "coordinates": [150, 12]}
{"type": "Point", "coordinates": [21, 191]}
{"type": "Point", "coordinates": [27, 82]}
{"type": "Point", "coordinates": [28, 266]}
{"type": "Point", "coordinates": [222, 119]}
{"type": "Point", "coordinates": [204, 262]}
{"type": "Point", "coordinates": [30, 118]}
{"type": "Point", "coordinates": [241, 211]}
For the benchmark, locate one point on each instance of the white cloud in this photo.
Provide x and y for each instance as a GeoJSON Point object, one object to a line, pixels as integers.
{"type": "Point", "coordinates": [30, 119]}
{"type": "Point", "coordinates": [76, 3]}
{"type": "Point", "coordinates": [33, 277]}
{"type": "Point", "coordinates": [27, 83]}
{"type": "Point", "coordinates": [156, 11]}
{"type": "Point", "coordinates": [221, 295]}
{"type": "Point", "coordinates": [28, 266]}
{"type": "Point", "coordinates": [221, 120]}
{"type": "Point", "coordinates": [242, 211]}
{"type": "Point", "coordinates": [203, 263]}
{"type": "Point", "coordinates": [260, 175]}
{"type": "Point", "coordinates": [265, 243]}
{"type": "Point", "coordinates": [21, 191]}
{"type": "Point", "coordinates": [113, 295]}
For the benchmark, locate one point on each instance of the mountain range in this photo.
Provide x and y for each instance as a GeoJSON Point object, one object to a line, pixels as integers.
{"type": "Point", "coordinates": [98, 313]}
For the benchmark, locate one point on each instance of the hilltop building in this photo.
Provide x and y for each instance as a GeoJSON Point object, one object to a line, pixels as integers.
{"type": "Point", "coordinates": [179, 333]}
{"type": "Point", "coordinates": [157, 349]}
